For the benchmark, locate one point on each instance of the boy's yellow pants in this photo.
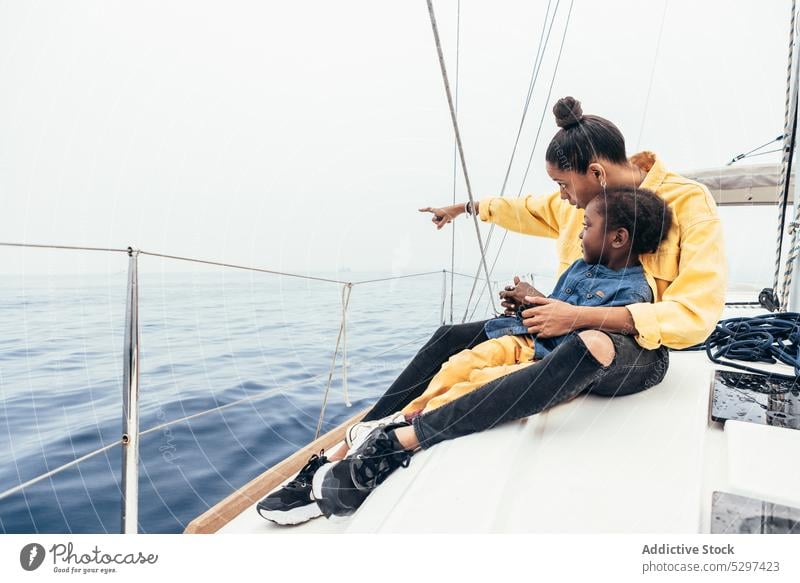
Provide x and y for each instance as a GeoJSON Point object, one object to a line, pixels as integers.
{"type": "Point", "coordinates": [472, 368]}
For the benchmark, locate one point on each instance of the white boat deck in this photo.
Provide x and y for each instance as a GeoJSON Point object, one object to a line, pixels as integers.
{"type": "Point", "coordinates": [643, 463]}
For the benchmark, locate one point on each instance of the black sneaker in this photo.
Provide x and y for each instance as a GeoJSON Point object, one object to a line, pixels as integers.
{"type": "Point", "coordinates": [341, 487]}
{"type": "Point", "coordinates": [292, 503]}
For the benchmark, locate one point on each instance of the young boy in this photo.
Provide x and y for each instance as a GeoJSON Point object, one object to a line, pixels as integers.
{"type": "Point", "coordinates": [619, 225]}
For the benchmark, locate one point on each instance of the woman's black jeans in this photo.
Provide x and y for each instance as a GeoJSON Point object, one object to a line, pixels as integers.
{"type": "Point", "coordinates": [564, 373]}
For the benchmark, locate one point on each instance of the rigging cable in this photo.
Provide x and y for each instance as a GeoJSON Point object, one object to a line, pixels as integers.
{"type": "Point", "coordinates": [346, 290]}
{"type": "Point", "coordinates": [455, 163]}
{"type": "Point", "coordinates": [778, 298]}
{"type": "Point", "coordinates": [538, 133]}
{"type": "Point", "coordinates": [783, 300]}
{"type": "Point", "coordinates": [750, 154]}
{"type": "Point", "coordinates": [435, 29]}
{"type": "Point", "coordinates": [537, 63]}
{"type": "Point", "coordinates": [652, 76]}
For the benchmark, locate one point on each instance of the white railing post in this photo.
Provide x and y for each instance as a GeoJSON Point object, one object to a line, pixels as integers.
{"type": "Point", "coordinates": [130, 401]}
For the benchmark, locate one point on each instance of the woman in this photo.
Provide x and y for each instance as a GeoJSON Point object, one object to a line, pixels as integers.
{"type": "Point", "coordinates": [614, 351]}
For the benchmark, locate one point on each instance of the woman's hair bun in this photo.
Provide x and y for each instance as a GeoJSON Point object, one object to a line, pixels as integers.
{"type": "Point", "coordinates": [568, 112]}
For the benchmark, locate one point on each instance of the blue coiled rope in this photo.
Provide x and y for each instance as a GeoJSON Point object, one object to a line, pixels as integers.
{"type": "Point", "coordinates": [768, 338]}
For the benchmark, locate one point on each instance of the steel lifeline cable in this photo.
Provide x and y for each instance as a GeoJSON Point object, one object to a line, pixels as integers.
{"type": "Point", "coordinates": [347, 286]}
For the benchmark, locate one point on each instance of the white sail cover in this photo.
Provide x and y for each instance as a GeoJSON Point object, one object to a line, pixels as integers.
{"type": "Point", "coordinates": [742, 184]}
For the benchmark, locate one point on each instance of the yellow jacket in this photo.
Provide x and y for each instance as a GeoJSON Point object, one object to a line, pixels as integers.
{"type": "Point", "coordinates": [688, 273]}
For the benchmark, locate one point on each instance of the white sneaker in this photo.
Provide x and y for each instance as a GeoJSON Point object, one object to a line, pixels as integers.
{"type": "Point", "coordinates": [357, 433]}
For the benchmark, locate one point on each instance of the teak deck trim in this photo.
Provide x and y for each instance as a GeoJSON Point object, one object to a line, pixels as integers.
{"type": "Point", "coordinates": [240, 500]}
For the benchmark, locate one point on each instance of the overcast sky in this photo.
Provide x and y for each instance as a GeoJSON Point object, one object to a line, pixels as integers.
{"type": "Point", "coordinates": [303, 136]}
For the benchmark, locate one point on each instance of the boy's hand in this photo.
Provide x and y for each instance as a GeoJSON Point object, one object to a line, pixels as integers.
{"type": "Point", "coordinates": [514, 295]}
{"type": "Point", "coordinates": [549, 318]}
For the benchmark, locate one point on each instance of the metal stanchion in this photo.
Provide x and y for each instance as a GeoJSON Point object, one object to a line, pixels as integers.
{"type": "Point", "coordinates": [130, 402]}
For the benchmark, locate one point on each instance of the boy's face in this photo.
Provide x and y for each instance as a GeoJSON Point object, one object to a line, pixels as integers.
{"type": "Point", "coordinates": [594, 239]}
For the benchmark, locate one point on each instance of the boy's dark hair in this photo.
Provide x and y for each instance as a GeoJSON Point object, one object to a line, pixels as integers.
{"type": "Point", "coordinates": [643, 213]}
{"type": "Point", "coordinates": [583, 138]}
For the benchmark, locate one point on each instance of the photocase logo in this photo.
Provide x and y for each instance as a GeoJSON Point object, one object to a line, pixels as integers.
{"type": "Point", "coordinates": [31, 556]}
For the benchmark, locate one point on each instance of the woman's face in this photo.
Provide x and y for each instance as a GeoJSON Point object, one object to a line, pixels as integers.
{"type": "Point", "coordinates": [579, 189]}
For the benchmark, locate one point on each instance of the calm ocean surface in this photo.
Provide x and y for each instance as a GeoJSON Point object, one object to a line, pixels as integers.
{"type": "Point", "coordinates": [207, 339]}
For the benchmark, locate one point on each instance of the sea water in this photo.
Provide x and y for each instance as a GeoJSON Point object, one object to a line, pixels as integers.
{"type": "Point", "coordinates": [207, 339]}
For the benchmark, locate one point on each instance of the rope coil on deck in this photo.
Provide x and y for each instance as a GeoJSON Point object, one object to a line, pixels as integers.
{"type": "Point", "coordinates": [767, 338]}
